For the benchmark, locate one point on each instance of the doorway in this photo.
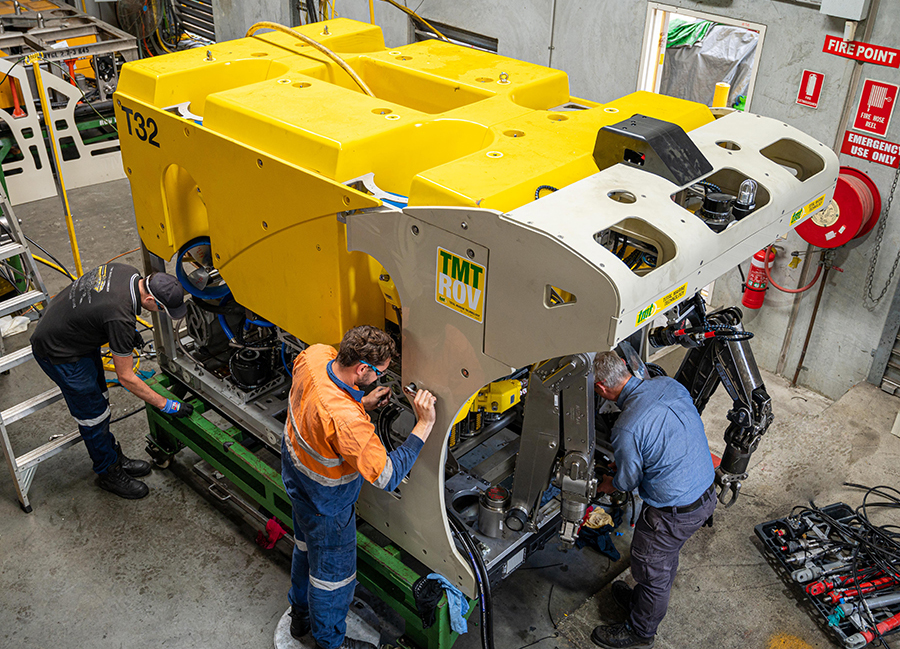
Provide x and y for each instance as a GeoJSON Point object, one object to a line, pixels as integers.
{"type": "Point", "coordinates": [685, 53]}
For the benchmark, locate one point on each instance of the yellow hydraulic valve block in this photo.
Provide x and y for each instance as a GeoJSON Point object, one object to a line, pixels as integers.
{"type": "Point", "coordinates": [498, 396]}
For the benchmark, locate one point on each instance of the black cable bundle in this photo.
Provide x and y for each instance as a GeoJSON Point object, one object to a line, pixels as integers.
{"type": "Point", "coordinates": [875, 550]}
{"type": "Point", "coordinates": [481, 576]}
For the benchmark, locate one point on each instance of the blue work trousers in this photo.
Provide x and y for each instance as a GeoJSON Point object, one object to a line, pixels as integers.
{"type": "Point", "coordinates": [83, 385]}
{"type": "Point", "coordinates": [657, 542]}
{"type": "Point", "coordinates": [323, 566]}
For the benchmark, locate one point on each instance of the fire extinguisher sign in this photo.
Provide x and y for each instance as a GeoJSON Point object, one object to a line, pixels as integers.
{"type": "Point", "coordinates": [876, 105]}
{"type": "Point", "coordinates": [810, 88]}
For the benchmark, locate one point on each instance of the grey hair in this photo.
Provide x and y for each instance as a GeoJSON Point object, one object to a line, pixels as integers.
{"type": "Point", "coordinates": [609, 369]}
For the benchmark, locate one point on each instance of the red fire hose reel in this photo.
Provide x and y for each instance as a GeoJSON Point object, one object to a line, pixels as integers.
{"type": "Point", "coordinates": [852, 214]}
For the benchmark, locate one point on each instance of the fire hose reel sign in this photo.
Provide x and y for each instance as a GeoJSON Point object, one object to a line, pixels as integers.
{"type": "Point", "coordinates": [460, 284]}
{"type": "Point", "coordinates": [876, 104]}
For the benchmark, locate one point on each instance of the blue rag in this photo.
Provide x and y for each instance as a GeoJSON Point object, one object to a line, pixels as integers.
{"type": "Point", "coordinates": [458, 604]}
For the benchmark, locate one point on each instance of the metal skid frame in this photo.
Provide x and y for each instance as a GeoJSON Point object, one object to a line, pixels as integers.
{"type": "Point", "coordinates": [34, 33]}
{"type": "Point", "coordinates": [384, 570]}
{"type": "Point", "coordinates": [94, 163]}
{"type": "Point", "coordinates": [31, 178]}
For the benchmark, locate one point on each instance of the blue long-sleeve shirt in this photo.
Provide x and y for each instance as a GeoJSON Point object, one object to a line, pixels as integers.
{"type": "Point", "coordinates": [659, 444]}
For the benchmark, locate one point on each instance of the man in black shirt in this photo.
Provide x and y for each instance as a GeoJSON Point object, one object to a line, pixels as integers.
{"type": "Point", "coordinates": [100, 307]}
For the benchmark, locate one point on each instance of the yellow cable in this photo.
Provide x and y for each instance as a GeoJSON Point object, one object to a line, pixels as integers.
{"type": "Point", "coordinates": [412, 13]}
{"type": "Point", "coordinates": [70, 223]}
{"type": "Point", "coordinates": [144, 322]}
{"type": "Point", "coordinates": [161, 44]}
{"type": "Point", "coordinates": [158, 36]}
{"type": "Point", "coordinates": [108, 364]}
{"type": "Point", "coordinates": [372, 11]}
{"type": "Point", "coordinates": [316, 44]}
{"type": "Point", "coordinates": [51, 264]}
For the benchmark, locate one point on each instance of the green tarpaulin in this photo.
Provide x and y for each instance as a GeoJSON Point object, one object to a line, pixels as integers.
{"type": "Point", "coordinates": [684, 34]}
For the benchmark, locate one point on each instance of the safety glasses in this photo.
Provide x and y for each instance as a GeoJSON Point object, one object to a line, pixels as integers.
{"type": "Point", "coordinates": [378, 372]}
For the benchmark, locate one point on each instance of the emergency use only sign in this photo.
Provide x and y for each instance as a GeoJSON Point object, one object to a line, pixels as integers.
{"type": "Point", "coordinates": [871, 149]}
{"type": "Point", "coordinates": [876, 105]}
{"type": "Point", "coordinates": [460, 284]}
{"type": "Point", "coordinates": [865, 52]}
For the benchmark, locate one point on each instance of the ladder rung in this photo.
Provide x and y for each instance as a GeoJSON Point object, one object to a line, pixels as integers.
{"type": "Point", "coordinates": [48, 450]}
{"type": "Point", "coordinates": [20, 302]}
{"type": "Point", "coordinates": [9, 361]}
{"type": "Point", "coordinates": [33, 404]}
{"type": "Point", "coordinates": [11, 250]}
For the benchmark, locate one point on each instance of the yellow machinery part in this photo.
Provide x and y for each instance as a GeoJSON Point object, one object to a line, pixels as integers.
{"type": "Point", "coordinates": [7, 7]}
{"type": "Point", "coordinates": [498, 397]}
{"type": "Point", "coordinates": [83, 66]}
{"type": "Point", "coordinates": [276, 127]}
{"type": "Point", "coordinates": [5, 287]}
{"type": "Point", "coordinates": [6, 90]}
{"type": "Point", "coordinates": [466, 409]}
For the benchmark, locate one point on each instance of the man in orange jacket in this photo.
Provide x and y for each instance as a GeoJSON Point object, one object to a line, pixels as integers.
{"type": "Point", "coordinates": [329, 447]}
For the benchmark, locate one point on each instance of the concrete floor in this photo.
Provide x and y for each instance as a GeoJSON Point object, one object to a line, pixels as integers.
{"type": "Point", "coordinates": [87, 569]}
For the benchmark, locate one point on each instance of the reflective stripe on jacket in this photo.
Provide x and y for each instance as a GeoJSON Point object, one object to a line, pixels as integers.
{"type": "Point", "coordinates": [331, 439]}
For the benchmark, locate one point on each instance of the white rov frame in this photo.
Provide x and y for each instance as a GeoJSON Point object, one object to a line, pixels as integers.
{"type": "Point", "coordinates": [551, 242]}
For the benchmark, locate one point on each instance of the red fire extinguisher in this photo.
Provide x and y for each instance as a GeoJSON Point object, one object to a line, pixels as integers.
{"type": "Point", "coordinates": [755, 287]}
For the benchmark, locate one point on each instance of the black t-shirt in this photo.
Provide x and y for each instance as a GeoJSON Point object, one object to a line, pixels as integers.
{"type": "Point", "coordinates": [98, 308]}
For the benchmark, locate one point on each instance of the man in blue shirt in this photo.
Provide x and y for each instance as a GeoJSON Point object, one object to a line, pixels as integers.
{"type": "Point", "coordinates": [661, 450]}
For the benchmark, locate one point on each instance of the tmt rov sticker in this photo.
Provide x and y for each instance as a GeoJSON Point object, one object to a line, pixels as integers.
{"type": "Point", "coordinates": [460, 284]}
{"type": "Point", "coordinates": [661, 304]}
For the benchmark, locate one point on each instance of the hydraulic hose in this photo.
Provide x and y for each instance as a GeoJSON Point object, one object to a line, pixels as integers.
{"type": "Point", "coordinates": [258, 323]}
{"type": "Point", "coordinates": [788, 290]}
{"type": "Point", "coordinates": [412, 14]}
{"type": "Point", "coordinates": [284, 360]}
{"type": "Point", "coordinates": [227, 329]}
{"type": "Point", "coordinates": [481, 576]}
{"type": "Point", "coordinates": [216, 309]}
{"type": "Point", "coordinates": [317, 45]}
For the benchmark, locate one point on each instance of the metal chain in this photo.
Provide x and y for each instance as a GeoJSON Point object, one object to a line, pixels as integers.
{"type": "Point", "coordinates": [873, 262]}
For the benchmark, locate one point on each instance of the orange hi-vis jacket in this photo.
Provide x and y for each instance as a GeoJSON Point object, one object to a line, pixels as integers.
{"type": "Point", "coordinates": [328, 433]}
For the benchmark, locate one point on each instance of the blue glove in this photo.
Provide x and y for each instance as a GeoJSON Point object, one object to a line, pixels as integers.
{"type": "Point", "coordinates": [178, 409]}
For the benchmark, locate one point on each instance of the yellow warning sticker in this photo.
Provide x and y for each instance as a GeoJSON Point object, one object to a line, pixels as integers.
{"type": "Point", "coordinates": [662, 303]}
{"type": "Point", "coordinates": [460, 284]}
{"type": "Point", "coordinates": [808, 209]}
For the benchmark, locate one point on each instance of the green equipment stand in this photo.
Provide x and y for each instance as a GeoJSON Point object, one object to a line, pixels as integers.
{"type": "Point", "coordinates": [382, 569]}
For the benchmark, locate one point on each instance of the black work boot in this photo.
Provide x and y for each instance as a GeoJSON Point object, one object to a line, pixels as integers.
{"type": "Point", "coordinates": [123, 485]}
{"type": "Point", "coordinates": [351, 643]}
{"type": "Point", "coordinates": [621, 593]}
{"type": "Point", "coordinates": [619, 636]}
{"type": "Point", "coordinates": [299, 622]}
{"type": "Point", "coordinates": [134, 468]}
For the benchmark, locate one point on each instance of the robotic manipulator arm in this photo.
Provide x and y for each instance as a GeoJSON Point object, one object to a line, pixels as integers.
{"type": "Point", "coordinates": [719, 352]}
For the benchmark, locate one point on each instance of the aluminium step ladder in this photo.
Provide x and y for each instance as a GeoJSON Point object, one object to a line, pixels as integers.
{"type": "Point", "coordinates": [22, 468]}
